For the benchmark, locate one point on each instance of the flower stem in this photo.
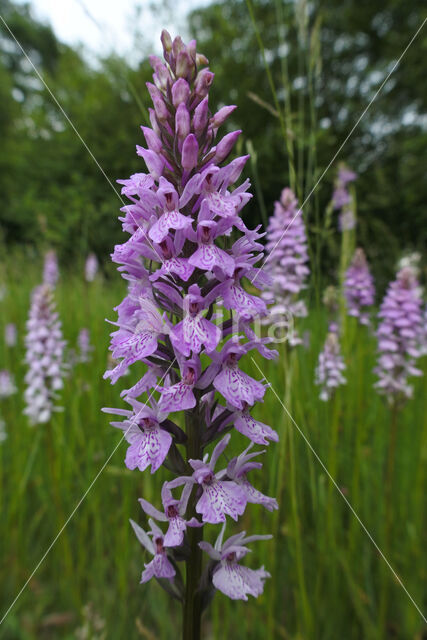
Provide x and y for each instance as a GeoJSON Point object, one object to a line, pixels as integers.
{"type": "Point", "coordinates": [384, 590]}
{"type": "Point", "coordinates": [192, 613]}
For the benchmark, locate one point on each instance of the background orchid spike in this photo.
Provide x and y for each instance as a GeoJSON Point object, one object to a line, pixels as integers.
{"type": "Point", "coordinates": [51, 269]}
{"type": "Point", "coordinates": [84, 346]}
{"type": "Point", "coordinates": [189, 251]}
{"type": "Point", "coordinates": [287, 252]}
{"type": "Point", "coordinates": [91, 267]}
{"type": "Point", "coordinates": [399, 336]}
{"type": "Point", "coordinates": [7, 384]}
{"type": "Point", "coordinates": [44, 357]}
{"type": "Point", "coordinates": [10, 335]}
{"type": "Point", "coordinates": [342, 198]}
{"type": "Point", "coordinates": [359, 287]}
{"type": "Point", "coordinates": [330, 366]}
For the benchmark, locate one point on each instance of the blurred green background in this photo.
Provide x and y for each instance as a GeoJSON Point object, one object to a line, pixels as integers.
{"type": "Point", "coordinates": [301, 74]}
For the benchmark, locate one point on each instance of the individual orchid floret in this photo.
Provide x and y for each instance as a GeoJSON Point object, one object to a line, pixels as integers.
{"type": "Point", "coordinates": [51, 269]}
{"type": "Point", "coordinates": [235, 386]}
{"type": "Point", "coordinates": [255, 430]}
{"type": "Point", "coordinates": [359, 287]}
{"type": "Point", "coordinates": [7, 384]}
{"type": "Point", "coordinates": [153, 541]}
{"type": "Point", "coordinates": [137, 340]}
{"type": "Point", "coordinates": [194, 331]}
{"type": "Point", "coordinates": [286, 262]}
{"type": "Point", "coordinates": [234, 580]}
{"type": "Point", "coordinates": [10, 335]}
{"type": "Point", "coordinates": [149, 442]}
{"type": "Point", "coordinates": [399, 334]}
{"type": "Point", "coordinates": [174, 513]}
{"type": "Point", "coordinates": [180, 396]}
{"type": "Point", "coordinates": [44, 357]}
{"type": "Point", "coordinates": [219, 497]}
{"type": "Point", "coordinates": [91, 267]}
{"type": "Point", "coordinates": [330, 367]}
{"type": "Point", "coordinates": [237, 470]}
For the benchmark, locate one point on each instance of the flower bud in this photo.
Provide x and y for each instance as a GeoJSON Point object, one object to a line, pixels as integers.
{"type": "Point", "coordinates": [184, 65]}
{"type": "Point", "coordinates": [203, 81]}
{"type": "Point", "coordinates": [154, 161]}
{"type": "Point", "coordinates": [180, 92]}
{"type": "Point", "coordinates": [200, 118]}
{"type": "Point", "coordinates": [224, 146]}
{"type": "Point", "coordinates": [153, 121]}
{"type": "Point", "coordinates": [221, 116]}
{"type": "Point", "coordinates": [153, 141]}
{"type": "Point", "coordinates": [161, 75]}
{"type": "Point", "coordinates": [160, 108]}
{"type": "Point", "coordinates": [190, 150]}
{"type": "Point", "coordinates": [182, 122]}
{"type": "Point", "coordinates": [191, 50]}
{"type": "Point", "coordinates": [177, 47]}
{"type": "Point", "coordinates": [201, 59]}
{"type": "Point", "coordinates": [166, 42]}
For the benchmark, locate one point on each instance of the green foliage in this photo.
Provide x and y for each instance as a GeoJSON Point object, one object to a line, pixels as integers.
{"type": "Point", "coordinates": [327, 577]}
{"type": "Point", "coordinates": [301, 75]}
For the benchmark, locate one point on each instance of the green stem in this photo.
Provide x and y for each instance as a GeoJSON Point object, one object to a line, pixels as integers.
{"type": "Point", "coordinates": [384, 590]}
{"type": "Point", "coordinates": [192, 614]}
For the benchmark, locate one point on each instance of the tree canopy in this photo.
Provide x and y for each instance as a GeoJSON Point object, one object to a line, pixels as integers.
{"type": "Point", "coordinates": [302, 75]}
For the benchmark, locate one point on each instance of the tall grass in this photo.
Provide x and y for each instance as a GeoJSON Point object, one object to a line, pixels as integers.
{"type": "Point", "coordinates": [327, 577]}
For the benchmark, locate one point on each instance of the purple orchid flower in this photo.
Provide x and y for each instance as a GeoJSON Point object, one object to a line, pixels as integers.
{"type": "Point", "coordinates": [239, 467]}
{"type": "Point", "coordinates": [229, 576]}
{"type": "Point", "coordinates": [194, 331]}
{"type": "Point", "coordinates": [255, 430]}
{"type": "Point", "coordinates": [174, 513]}
{"type": "Point", "coordinates": [149, 443]}
{"type": "Point", "coordinates": [219, 497]}
{"type": "Point", "coordinates": [160, 566]}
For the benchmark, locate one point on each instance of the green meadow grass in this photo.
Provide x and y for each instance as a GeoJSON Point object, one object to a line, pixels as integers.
{"type": "Point", "coordinates": [328, 580]}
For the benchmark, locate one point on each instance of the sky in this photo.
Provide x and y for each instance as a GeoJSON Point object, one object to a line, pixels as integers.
{"type": "Point", "coordinates": [105, 26]}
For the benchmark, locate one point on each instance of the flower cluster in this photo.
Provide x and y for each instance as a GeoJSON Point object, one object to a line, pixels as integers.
{"type": "Point", "coordinates": [342, 198]}
{"type": "Point", "coordinates": [44, 356]}
{"type": "Point", "coordinates": [181, 259]}
{"type": "Point", "coordinates": [7, 384]}
{"type": "Point", "coordinates": [399, 334]}
{"type": "Point", "coordinates": [287, 259]}
{"type": "Point", "coordinates": [91, 267]}
{"type": "Point", "coordinates": [51, 269]}
{"type": "Point", "coordinates": [359, 287]}
{"type": "Point", "coordinates": [330, 366]}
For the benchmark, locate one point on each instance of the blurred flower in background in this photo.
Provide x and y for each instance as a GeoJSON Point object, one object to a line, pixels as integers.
{"type": "Point", "coordinates": [359, 287]}
{"type": "Point", "coordinates": [10, 334]}
{"type": "Point", "coordinates": [44, 356]}
{"type": "Point", "coordinates": [330, 366]}
{"type": "Point", "coordinates": [399, 336]}
{"type": "Point", "coordinates": [91, 267]}
{"type": "Point", "coordinates": [7, 384]}
{"type": "Point", "coordinates": [51, 269]}
{"type": "Point", "coordinates": [84, 346]}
